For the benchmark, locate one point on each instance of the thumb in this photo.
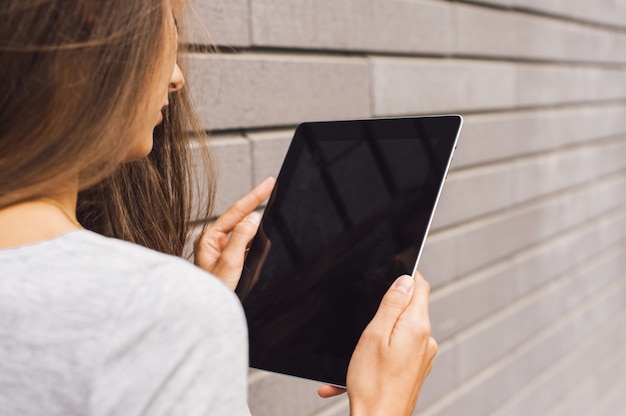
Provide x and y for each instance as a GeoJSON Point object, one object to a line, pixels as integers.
{"type": "Point", "coordinates": [393, 304]}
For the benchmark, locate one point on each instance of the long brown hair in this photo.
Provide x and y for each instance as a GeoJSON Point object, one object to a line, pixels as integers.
{"type": "Point", "coordinates": [74, 74]}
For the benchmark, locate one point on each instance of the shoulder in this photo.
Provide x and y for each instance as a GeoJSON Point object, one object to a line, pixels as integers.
{"type": "Point", "coordinates": [118, 254]}
{"type": "Point", "coordinates": [124, 261]}
{"type": "Point", "coordinates": [141, 273]}
{"type": "Point", "coordinates": [123, 284]}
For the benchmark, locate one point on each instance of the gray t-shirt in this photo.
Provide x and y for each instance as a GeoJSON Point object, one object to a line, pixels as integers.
{"type": "Point", "coordinates": [96, 326]}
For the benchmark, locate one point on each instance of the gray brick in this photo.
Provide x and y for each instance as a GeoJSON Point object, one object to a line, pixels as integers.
{"type": "Point", "coordinates": [408, 86]}
{"type": "Point", "coordinates": [340, 408]}
{"type": "Point", "coordinates": [582, 165]}
{"type": "Point", "coordinates": [358, 25]}
{"type": "Point", "coordinates": [200, 182]}
{"type": "Point", "coordinates": [594, 276]}
{"type": "Point", "coordinates": [552, 84]}
{"type": "Point", "coordinates": [268, 151]}
{"type": "Point", "coordinates": [494, 337]}
{"type": "Point", "coordinates": [455, 252]}
{"type": "Point", "coordinates": [457, 306]}
{"type": "Point", "coordinates": [469, 194]}
{"type": "Point", "coordinates": [221, 22]}
{"type": "Point", "coordinates": [609, 84]}
{"type": "Point", "coordinates": [489, 137]}
{"type": "Point", "coordinates": [452, 253]}
{"type": "Point", "coordinates": [538, 266]}
{"type": "Point", "coordinates": [542, 176]}
{"type": "Point", "coordinates": [544, 85]}
{"type": "Point", "coordinates": [592, 202]}
{"type": "Point", "coordinates": [542, 264]}
{"type": "Point", "coordinates": [505, 3]}
{"type": "Point", "coordinates": [601, 11]}
{"type": "Point", "coordinates": [234, 91]}
{"type": "Point", "coordinates": [492, 137]}
{"type": "Point", "coordinates": [547, 174]}
{"type": "Point", "coordinates": [232, 154]}
{"type": "Point", "coordinates": [413, 86]}
{"type": "Point", "coordinates": [556, 7]}
{"type": "Point", "coordinates": [484, 32]}
{"type": "Point", "coordinates": [279, 395]}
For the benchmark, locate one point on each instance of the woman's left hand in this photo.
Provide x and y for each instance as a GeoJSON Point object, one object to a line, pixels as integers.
{"type": "Point", "coordinates": [221, 249]}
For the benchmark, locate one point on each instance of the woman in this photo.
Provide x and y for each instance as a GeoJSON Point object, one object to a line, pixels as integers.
{"type": "Point", "coordinates": [93, 133]}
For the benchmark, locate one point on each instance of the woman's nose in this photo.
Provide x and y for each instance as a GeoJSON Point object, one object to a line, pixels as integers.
{"type": "Point", "coordinates": [178, 80]}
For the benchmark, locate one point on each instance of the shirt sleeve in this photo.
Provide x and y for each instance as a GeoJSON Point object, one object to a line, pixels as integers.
{"type": "Point", "coordinates": [178, 346]}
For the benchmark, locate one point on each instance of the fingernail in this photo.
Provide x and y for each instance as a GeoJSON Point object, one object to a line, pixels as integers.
{"type": "Point", "coordinates": [404, 283]}
{"type": "Point", "coordinates": [253, 217]}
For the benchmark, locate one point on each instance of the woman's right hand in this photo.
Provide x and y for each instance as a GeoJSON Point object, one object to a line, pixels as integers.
{"type": "Point", "coordinates": [221, 249]}
{"type": "Point", "coordinates": [394, 354]}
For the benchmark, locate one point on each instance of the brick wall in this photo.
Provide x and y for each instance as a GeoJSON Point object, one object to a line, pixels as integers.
{"type": "Point", "coordinates": [527, 252]}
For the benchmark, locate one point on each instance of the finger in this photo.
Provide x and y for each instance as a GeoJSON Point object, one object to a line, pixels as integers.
{"type": "Point", "coordinates": [234, 251]}
{"type": "Point", "coordinates": [418, 308]}
{"type": "Point", "coordinates": [423, 293]}
{"type": "Point", "coordinates": [230, 263]}
{"type": "Point", "coordinates": [414, 322]}
{"type": "Point", "coordinates": [327, 391]}
{"type": "Point", "coordinates": [212, 239]}
{"type": "Point", "coordinates": [240, 209]}
{"type": "Point", "coordinates": [208, 248]}
{"type": "Point", "coordinates": [392, 305]}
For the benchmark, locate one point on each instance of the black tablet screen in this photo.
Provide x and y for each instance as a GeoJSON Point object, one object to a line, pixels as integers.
{"type": "Point", "coordinates": [349, 214]}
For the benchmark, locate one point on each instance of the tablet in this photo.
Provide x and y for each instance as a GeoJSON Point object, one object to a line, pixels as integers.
{"type": "Point", "coordinates": [349, 214]}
